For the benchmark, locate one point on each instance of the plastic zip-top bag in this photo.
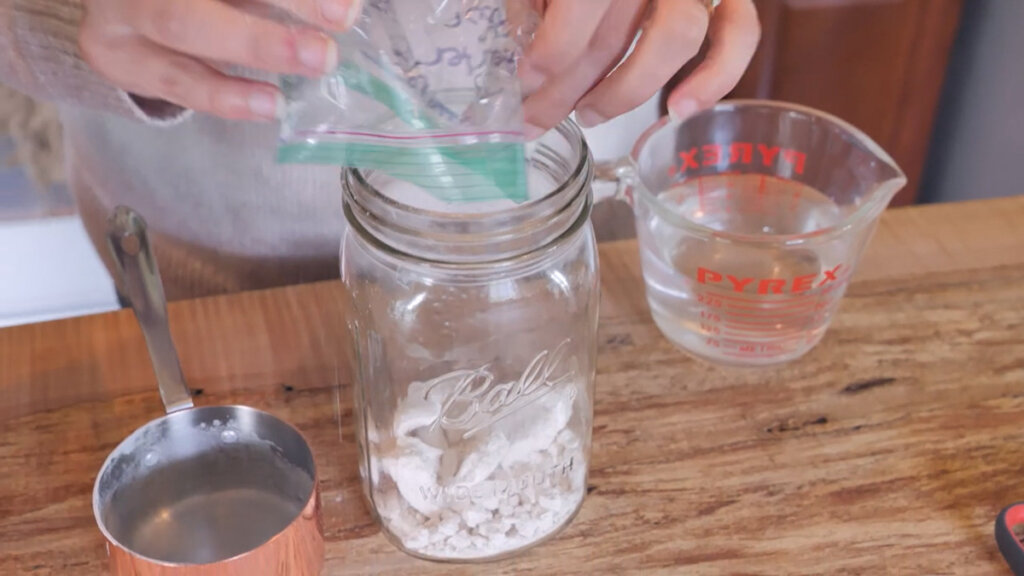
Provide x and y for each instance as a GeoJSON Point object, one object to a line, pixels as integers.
{"type": "Point", "coordinates": [426, 92]}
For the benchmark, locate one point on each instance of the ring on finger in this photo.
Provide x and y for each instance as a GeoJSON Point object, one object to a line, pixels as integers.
{"type": "Point", "coordinates": [710, 5]}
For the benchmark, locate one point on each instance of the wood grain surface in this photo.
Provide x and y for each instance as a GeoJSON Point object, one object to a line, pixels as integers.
{"type": "Point", "coordinates": [889, 449]}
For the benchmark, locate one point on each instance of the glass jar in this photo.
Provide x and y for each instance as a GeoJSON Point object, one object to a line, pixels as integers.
{"type": "Point", "coordinates": [473, 340]}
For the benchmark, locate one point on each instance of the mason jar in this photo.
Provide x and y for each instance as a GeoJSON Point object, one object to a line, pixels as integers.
{"type": "Point", "coordinates": [473, 340]}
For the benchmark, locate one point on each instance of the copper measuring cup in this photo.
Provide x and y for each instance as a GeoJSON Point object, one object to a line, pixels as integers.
{"type": "Point", "coordinates": [217, 490]}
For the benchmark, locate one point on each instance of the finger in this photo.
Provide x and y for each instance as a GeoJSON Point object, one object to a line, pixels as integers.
{"type": "Point", "coordinates": [735, 32]}
{"type": "Point", "coordinates": [557, 97]}
{"type": "Point", "coordinates": [563, 36]}
{"type": "Point", "coordinates": [141, 67]}
{"type": "Point", "coordinates": [669, 40]}
{"type": "Point", "coordinates": [213, 30]}
{"type": "Point", "coordinates": [330, 14]}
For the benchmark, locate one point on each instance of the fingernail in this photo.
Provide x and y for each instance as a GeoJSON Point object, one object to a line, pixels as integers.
{"type": "Point", "coordinates": [531, 132]}
{"type": "Point", "coordinates": [334, 11]}
{"type": "Point", "coordinates": [683, 109]}
{"type": "Point", "coordinates": [269, 105]}
{"type": "Point", "coordinates": [530, 79]}
{"type": "Point", "coordinates": [588, 117]}
{"type": "Point", "coordinates": [317, 52]}
{"type": "Point", "coordinates": [339, 12]}
{"type": "Point", "coordinates": [353, 12]}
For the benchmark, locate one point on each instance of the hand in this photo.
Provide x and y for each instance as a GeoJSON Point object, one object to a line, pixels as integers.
{"type": "Point", "coordinates": [578, 43]}
{"type": "Point", "coordinates": [166, 49]}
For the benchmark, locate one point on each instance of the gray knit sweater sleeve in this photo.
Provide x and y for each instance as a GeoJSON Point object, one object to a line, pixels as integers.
{"type": "Point", "coordinates": [39, 56]}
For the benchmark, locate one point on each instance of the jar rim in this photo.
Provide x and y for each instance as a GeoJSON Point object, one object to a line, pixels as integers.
{"type": "Point", "coordinates": [404, 230]}
{"type": "Point", "coordinates": [574, 135]}
{"type": "Point", "coordinates": [509, 261]}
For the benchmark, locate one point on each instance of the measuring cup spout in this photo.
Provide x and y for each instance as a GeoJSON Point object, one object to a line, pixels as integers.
{"type": "Point", "coordinates": [888, 177]}
{"type": "Point", "coordinates": [885, 190]}
{"type": "Point", "coordinates": [140, 277]}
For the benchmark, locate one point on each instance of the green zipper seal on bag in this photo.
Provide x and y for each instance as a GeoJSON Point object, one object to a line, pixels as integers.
{"type": "Point", "coordinates": [484, 165]}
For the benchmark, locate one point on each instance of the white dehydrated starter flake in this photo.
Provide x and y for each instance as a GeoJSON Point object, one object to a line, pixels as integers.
{"type": "Point", "coordinates": [503, 487]}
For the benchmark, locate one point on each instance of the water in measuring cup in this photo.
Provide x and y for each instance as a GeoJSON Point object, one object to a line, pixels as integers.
{"type": "Point", "coordinates": [746, 304]}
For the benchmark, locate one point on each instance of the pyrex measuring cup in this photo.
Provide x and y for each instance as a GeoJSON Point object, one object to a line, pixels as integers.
{"type": "Point", "coordinates": [751, 217]}
{"type": "Point", "coordinates": [205, 491]}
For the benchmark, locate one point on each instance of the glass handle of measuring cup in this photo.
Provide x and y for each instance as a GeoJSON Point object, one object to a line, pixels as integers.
{"type": "Point", "coordinates": [614, 180]}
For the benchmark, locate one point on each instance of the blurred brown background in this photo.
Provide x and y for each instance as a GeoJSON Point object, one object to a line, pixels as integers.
{"type": "Point", "coordinates": [878, 64]}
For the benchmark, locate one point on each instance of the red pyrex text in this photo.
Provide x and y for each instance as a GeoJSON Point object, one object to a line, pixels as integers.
{"type": "Point", "coordinates": [737, 153]}
{"type": "Point", "coordinates": [768, 285]}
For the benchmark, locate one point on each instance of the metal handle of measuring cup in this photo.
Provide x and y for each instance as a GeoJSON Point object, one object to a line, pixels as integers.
{"type": "Point", "coordinates": [1009, 546]}
{"type": "Point", "coordinates": [129, 244]}
{"type": "Point", "coordinates": [614, 180]}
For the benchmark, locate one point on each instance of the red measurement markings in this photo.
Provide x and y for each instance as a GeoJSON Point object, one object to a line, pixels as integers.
{"type": "Point", "coordinates": [760, 350]}
{"type": "Point", "coordinates": [746, 355]}
{"type": "Point", "coordinates": [747, 335]}
{"type": "Point", "coordinates": [777, 318]}
{"type": "Point", "coordinates": [773, 327]}
{"type": "Point", "coordinates": [737, 323]}
{"type": "Point", "coordinates": [760, 194]}
{"type": "Point", "coordinates": [770, 328]}
{"type": "Point", "coordinates": [710, 300]}
{"type": "Point", "coordinates": [700, 195]}
{"type": "Point", "coordinates": [750, 329]}
{"type": "Point", "coordinates": [810, 304]}
{"type": "Point", "coordinates": [724, 298]}
{"type": "Point", "coordinates": [730, 311]}
{"type": "Point", "coordinates": [734, 342]}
